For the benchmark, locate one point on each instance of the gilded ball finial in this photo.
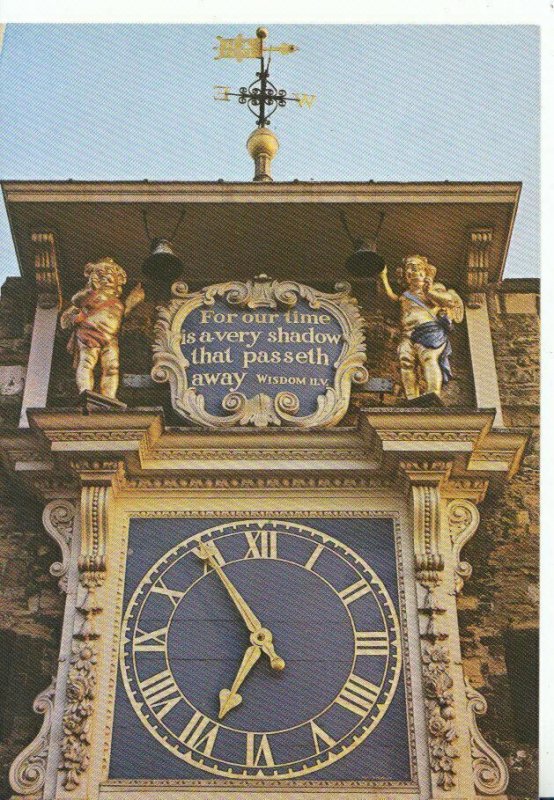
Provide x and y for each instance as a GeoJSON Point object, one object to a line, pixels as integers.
{"type": "Point", "coordinates": [262, 145]}
{"type": "Point", "coordinates": [262, 33]}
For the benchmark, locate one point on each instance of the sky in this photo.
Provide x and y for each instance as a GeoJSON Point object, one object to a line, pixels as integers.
{"type": "Point", "coordinates": [394, 103]}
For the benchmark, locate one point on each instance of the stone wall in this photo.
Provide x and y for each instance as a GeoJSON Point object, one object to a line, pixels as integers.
{"type": "Point", "coordinates": [499, 606]}
{"type": "Point", "coordinates": [499, 602]}
{"type": "Point", "coordinates": [31, 605]}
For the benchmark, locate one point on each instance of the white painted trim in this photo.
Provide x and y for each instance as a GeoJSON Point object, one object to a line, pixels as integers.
{"type": "Point", "coordinates": [487, 392]}
{"type": "Point", "coordinates": [35, 393]}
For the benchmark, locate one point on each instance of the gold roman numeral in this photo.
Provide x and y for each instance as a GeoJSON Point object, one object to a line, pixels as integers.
{"type": "Point", "coordinates": [155, 641]}
{"type": "Point", "coordinates": [354, 591]}
{"type": "Point", "coordinates": [214, 552]}
{"type": "Point", "coordinates": [372, 643]}
{"type": "Point", "coordinates": [262, 544]}
{"type": "Point", "coordinates": [172, 594]}
{"type": "Point", "coordinates": [358, 695]}
{"type": "Point", "coordinates": [161, 693]}
{"type": "Point", "coordinates": [319, 735]}
{"type": "Point", "coordinates": [314, 556]}
{"type": "Point", "coordinates": [200, 733]}
{"type": "Point", "coordinates": [258, 750]}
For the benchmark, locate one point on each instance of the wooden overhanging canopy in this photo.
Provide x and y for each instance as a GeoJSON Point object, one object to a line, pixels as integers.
{"type": "Point", "coordinates": [287, 230]}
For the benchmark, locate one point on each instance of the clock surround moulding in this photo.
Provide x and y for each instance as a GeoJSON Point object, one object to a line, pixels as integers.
{"type": "Point", "coordinates": [427, 468]}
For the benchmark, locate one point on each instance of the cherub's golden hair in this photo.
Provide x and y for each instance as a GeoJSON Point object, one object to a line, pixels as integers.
{"type": "Point", "coordinates": [107, 266]}
{"type": "Point", "coordinates": [402, 272]}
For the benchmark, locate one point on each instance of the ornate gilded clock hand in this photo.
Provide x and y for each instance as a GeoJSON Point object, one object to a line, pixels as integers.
{"type": "Point", "coordinates": [262, 637]}
{"type": "Point", "coordinates": [229, 698]}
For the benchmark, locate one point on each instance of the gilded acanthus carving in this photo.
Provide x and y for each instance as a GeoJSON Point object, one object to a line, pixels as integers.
{"type": "Point", "coordinates": [489, 769]}
{"type": "Point", "coordinates": [439, 704]}
{"type": "Point", "coordinates": [58, 518]}
{"type": "Point", "coordinates": [463, 521]}
{"type": "Point", "coordinates": [260, 410]}
{"type": "Point", "coordinates": [28, 771]}
{"type": "Point", "coordinates": [427, 311]}
{"type": "Point", "coordinates": [94, 317]}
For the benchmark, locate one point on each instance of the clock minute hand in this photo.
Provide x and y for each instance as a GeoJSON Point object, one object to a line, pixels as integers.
{"type": "Point", "coordinates": [229, 698]}
{"type": "Point", "coordinates": [260, 636]}
{"type": "Point", "coordinates": [252, 622]}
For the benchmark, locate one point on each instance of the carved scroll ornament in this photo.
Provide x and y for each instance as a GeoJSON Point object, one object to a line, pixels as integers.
{"type": "Point", "coordinates": [58, 518]}
{"type": "Point", "coordinates": [489, 769]}
{"type": "Point", "coordinates": [261, 409]}
{"type": "Point", "coordinates": [463, 521]}
{"type": "Point", "coordinates": [28, 771]}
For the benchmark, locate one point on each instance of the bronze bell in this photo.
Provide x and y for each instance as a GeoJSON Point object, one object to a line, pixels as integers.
{"type": "Point", "coordinates": [365, 261]}
{"type": "Point", "coordinates": [162, 265]}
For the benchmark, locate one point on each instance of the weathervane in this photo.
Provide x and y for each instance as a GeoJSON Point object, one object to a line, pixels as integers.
{"type": "Point", "coordinates": [261, 97]}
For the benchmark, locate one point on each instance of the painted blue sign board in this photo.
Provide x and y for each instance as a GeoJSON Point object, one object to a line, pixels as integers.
{"type": "Point", "coordinates": [260, 353]}
{"type": "Point", "coordinates": [261, 350]}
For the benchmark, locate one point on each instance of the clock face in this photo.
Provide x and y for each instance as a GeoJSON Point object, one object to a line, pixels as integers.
{"type": "Point", "coordinates": [260, 649]}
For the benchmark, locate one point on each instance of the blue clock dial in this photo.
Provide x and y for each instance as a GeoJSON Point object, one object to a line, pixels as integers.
{"type": "Point", "coordinates": [260, 649]}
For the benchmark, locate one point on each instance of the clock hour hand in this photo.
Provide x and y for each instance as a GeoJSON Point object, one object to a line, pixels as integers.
{"type": "Point", "coordinates": [229, 698]}
{"type": "Point", "coordinates": [262, 637]}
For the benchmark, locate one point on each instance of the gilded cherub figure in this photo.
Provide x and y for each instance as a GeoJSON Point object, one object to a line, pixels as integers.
{"type": "Point", "coordinates": [95, 317]}
{"type": "Point", "coordinates": [427, 311]}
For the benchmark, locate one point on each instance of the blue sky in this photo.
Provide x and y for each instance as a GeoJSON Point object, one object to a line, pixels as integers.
{"type": "Point", "coordinates": [394, 102]}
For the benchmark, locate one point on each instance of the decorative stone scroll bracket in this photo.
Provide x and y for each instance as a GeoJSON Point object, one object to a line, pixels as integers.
{"type": "Point", "coordinates": [489, 769]}
{"type": "Point", "coordinates": [58, 519]}
{"type": "Point", "coordinates": [28, 771]}
{"type": "Point", "coordinates": [477, 263]}
{"type": "Point", "coordinates": [463, 521]}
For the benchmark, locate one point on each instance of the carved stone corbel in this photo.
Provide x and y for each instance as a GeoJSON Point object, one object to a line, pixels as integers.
{"type": "Point", "coordinates": [58, 518]}
{"type": "Point", "coordinates": [47, 276]}
{"type": "Point", "coordinates": [28, 771]}
{"type": "Point", "coordinates": [425, 479]}
{"type": "Point", "coordinates": [489, 769]}
{"type": "Point", "coordinates": [82, 678]}
{"type": "Point", "coordinates": [477, 263]}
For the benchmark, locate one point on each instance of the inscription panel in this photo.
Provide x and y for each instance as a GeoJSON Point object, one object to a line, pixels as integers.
{"type": "Point", "coordinates": [260, 353]}
{"type": "Point", "coordinates": [261, 350]}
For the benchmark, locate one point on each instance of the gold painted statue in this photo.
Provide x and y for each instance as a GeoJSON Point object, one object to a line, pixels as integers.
{"type": "Point", "coordinates": [95, 317]}
{"type": "Point", "coordinates": [427, 310]}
